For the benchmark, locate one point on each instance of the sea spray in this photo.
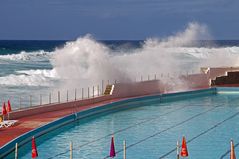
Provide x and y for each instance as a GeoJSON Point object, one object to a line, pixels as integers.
{"type": "Point", "coordinates": [87, 62]}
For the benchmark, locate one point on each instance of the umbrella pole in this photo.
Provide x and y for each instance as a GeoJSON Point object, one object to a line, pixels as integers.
{"type": "Point", "coordinates": [16, 151]}
{"type": "Point", "coordinates": [124, 143]}
{"type": "Point", "coordinates": [71, 152]}
{"type": "Point", "coordinates": [178, 150]}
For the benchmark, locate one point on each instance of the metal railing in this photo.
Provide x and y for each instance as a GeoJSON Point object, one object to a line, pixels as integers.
{"type": "Point", "coordinates": [63, 96]}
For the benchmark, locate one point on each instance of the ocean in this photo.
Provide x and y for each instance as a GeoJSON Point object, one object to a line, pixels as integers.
{"type": "Point", "coordinates": [34, 70]}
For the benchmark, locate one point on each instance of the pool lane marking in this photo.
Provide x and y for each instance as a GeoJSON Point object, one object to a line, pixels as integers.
{"type": "Point", "coordinates": [171, 127]}
{"type": "Point", "coordinates": [140, 141]}
{"type": "Point", "coordinates": [122, 130]}
{"type": "Point", "coordinates": [132, 126]}
{"type": "Point", "coordinates": [202, 133]}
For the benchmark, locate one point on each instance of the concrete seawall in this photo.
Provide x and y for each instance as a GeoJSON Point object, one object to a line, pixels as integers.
{"type": "Point", "coordinates": [121, 90]}
{"type": "Point", "coordinates": [132, 89]}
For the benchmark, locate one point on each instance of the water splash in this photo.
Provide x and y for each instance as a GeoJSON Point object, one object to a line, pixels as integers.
{"type": "Point", "coordinates": [86, 61]}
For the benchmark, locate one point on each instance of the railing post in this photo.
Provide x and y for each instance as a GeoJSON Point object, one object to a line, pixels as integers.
{"type": "Point", "coordinates": [67, 96]}
{"type": "Point", "coordinates": [59, 96]}
{"type": "Point", "coordinates": [20, 102]}
{"type": "Point", "coordinates": [102, 87]}
{"type": "Point", "coordinates": [141, 78]}
{"type": "Point", "coordinates": [148, 78]}
{"type": "Point", "coordinates": [155, 77]}
{"type": "Point", "coordinates": [30, 100]}
{"type": "Point", "coordinates": [98, 90]}
{"type": "Point", "coordinates": [75, 93]}
{"type": "Point", "coordinates": [49, 98]}
{"type": "Point", "coordinates": [88, 92]}
{"type": "Point", "coordinates": [82, 93]}
{"type": "Point", "coordinates": [108, 82]}
{"type": "Point", "coordinates": [93, 91]}
{"type": "Point", "coordinates": [40, 99]}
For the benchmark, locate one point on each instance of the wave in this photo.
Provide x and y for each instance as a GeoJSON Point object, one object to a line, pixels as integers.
{"type": "Point", "coordinates": [44, 73]}
{"type": "Point", "coordinates": [30, 78]}
{"type": "Point", "coordinates": [89, 59]}
{"type": "Point", "coordinates": [86, 62]}
{"type": "Point", "coordinates": [27, 56]}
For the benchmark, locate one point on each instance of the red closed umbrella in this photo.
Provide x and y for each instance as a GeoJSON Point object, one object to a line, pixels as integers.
{"type": "Point", "coordinates": [4, 111]}
{"type": "Point", "coordinates": [232, 154]}
{"type": "Point", "coordinates": [184, 150]}
{"type": "Point", "coordinates": [34, 148]}
{"type": "Point", "coordinates": [9, 108]}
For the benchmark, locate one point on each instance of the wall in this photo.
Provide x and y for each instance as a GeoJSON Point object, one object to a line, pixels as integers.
{"type": "Point", "coordinates": [215, 72]}
{"type": "Point", "coordinates": [204, 79]}
{"type": "Point", "coordinates": [133, 89]}
{"type": "Point", "coordinates": [196, 80]}
{"type": "Point", "coordinates": [125, 90]}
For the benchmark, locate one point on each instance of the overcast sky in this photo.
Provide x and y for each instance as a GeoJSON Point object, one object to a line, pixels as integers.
{"type": "Point", "coordinates": [115, 19]}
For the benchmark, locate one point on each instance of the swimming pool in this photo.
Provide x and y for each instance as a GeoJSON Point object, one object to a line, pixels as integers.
{"type": "Point", "coordinates": [151, 129]}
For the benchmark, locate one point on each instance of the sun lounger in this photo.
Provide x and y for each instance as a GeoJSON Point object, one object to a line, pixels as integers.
{"type": "Point", "coordinates": [3, 125]}
{"type": "Point", "coordinates": [6, 123]}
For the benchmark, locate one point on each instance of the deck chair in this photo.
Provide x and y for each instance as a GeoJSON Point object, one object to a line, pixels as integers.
{"type": "Point", "coordinates": [2, 125]}
{"type": "Point", "coordinates": [6, 123]}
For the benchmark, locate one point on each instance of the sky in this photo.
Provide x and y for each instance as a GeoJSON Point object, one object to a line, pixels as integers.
{"type": "Point", "coordinates": [114, 19]}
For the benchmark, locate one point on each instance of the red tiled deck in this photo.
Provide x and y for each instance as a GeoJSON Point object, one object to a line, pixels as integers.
{"type": "Point", "coordinates": [28, 123]}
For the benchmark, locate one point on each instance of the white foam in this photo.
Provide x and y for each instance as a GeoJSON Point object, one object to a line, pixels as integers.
{"type": "Point", "coordinates": [85, 62]}
{"type": "Point", "coordinates": [30, 78]}
{"type": "Point", "coordinates": [88, 61]}
{"type": "Point", "coordinates": [27, 56]}
{"type": "Point", "coordinates": [44, 73]}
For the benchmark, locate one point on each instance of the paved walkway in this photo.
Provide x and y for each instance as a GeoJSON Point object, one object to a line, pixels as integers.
{"type": "Point", "coordinates": [28, 123]}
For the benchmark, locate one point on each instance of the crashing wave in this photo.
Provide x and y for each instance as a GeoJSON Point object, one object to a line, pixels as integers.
{"type": "Point", "coordinates": [88, 62]}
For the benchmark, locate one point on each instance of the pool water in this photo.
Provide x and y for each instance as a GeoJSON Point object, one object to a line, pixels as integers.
{"type": "Point", "coordinates": [151, 131]}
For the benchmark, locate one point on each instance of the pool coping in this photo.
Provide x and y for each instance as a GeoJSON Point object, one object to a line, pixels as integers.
{"type": "Point", "coordinates": [102, 108]}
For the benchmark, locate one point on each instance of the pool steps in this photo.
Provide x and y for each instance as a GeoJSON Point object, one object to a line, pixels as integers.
{"type": "Point", "coordinates": [109, 90]}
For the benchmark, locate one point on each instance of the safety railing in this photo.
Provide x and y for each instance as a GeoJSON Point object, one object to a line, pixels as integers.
{"type": "Point", "coordinates": [62, 96]}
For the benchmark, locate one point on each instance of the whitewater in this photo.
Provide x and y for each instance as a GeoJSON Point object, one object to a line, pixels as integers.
{"type": "Point", "coordinates": [85, 62]}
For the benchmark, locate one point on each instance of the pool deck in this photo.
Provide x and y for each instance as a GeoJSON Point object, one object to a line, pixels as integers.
{"type": "Point", "coordinates": [29, 123]}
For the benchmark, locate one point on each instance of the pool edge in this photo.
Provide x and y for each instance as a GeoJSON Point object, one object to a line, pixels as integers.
{"type": "Point", "coordinates": [26, 137]}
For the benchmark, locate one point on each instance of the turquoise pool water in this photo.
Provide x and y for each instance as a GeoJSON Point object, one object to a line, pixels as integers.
{"type": "Point", "coordinates": [150, 130]}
